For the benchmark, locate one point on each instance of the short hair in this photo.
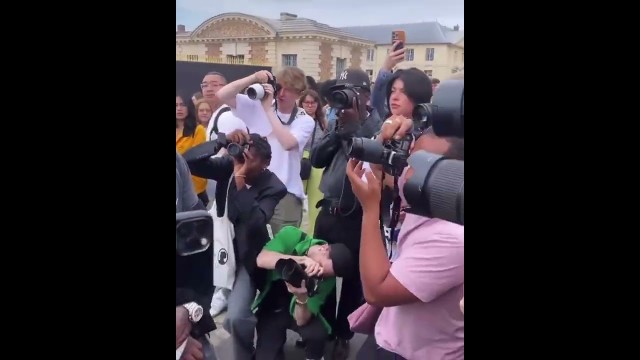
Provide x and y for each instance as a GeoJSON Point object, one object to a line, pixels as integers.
{"type": "Point", "coordinates": [312, 84]}
{"type": "Point", "coordinates": [435, 81]}
{"type": "Point", "coordinates": [198, 95]}
{"type": "Point", "coordinates": [217, 74]}
{"type": "Point", "coordinates": [325, 88]}
{"type": "Point", "coordinates": [292, 77]}
{"type": "Point", "coordinates": [261, 146]}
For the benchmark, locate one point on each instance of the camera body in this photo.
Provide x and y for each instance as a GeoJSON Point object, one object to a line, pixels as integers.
{"type": "Point", "coordinates": [343, 98]}
{"type": "Point", "coordinates": [256, 91]}
{"type": "Point", "coordinates": [293, 273]}
{"type": "Point", "coordinates": [236, 151]}
{"type": "Point", "coordinates": [392, 155]}
{"type": "Point", "coordinates": [194, 232]}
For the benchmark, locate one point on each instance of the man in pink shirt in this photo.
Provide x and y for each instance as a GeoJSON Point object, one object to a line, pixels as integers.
{"type": "Point", "coordinates": [421, 290]}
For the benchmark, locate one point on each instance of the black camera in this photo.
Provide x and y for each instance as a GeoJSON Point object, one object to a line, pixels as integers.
{"type": "Point", "coordinates": [236, 151]}
{"type": "Point", "coordinates": [436, 188]}
{"type": "Point", "coordinates": [343, 98]}
{"type": "Point", "coordinates": [392, 155]}
{"type": "Point", "coordinates": [194, 232]}
{"type": "Point", "coordinates": [445, 113]}
{"type": "Point", "coordinates": [293, 273]}
{"type": "Point", "coordinates": [256, 91]}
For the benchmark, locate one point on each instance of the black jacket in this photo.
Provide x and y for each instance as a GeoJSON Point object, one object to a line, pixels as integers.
{"type": "Point", "coordinates": [250, 210]}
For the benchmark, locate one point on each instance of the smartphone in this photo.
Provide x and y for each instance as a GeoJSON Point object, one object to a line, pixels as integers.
{"type": "Point", "coordinates": [398, 35]}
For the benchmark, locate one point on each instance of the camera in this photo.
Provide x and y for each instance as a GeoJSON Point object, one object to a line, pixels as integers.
{"type": "Point", "coordinates": [236, 151]}
{"type": "Point", "coordinates": [256, 91]}
{"type": "Point", "coordinates": [392, 155]}
{"type": "Point", "coordinates": [194, 232]}
{"type": "Point", "coordinates": [343, 98]}
{"type": "Point", "coordinates": [293, 273]}
{"type": "Point", "coordinates": [445, 113]}
{"type": "Point", "coordinates": [436, 188]}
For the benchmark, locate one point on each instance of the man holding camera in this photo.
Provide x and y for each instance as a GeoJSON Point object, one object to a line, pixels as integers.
{"type": "Point", "coordinates": [286, 127]}
{"type": "Point", "coordinates": [252, 195]}
{"type": "Point", "coordinates": [294, 257]}
{"type": "Point", "coordinates": [340, 208]}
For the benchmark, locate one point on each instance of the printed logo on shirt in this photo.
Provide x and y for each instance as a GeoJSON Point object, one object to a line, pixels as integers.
{"type": "Point", "coordinates": [223, 256]}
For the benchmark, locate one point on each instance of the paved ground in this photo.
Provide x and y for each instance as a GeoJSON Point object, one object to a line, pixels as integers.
{"type": "Point", "coordinates": [222, 342]}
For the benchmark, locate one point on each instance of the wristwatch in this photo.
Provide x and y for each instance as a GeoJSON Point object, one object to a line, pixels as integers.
{"type": "Point", "coordinates": [195, 311]}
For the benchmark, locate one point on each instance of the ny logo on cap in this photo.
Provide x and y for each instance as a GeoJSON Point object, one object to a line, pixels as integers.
{"type": "Point", "coordinates": [343, 75]}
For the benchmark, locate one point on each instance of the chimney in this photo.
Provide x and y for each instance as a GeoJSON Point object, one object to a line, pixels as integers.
{"type": "Point", "coordinates": [287, 16]}
{"type": "Point", "coordinates": [181, 29]}
{"type": "Point", "coordinates": [456, 28]}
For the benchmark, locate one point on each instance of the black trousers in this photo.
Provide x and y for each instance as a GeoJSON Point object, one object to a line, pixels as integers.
{"type": "Point", "coordinates": [345, 230]}
{"type": "Point", "coordinates": [371, 351]}
{"type": "Point", "coordinates": [272, 334]}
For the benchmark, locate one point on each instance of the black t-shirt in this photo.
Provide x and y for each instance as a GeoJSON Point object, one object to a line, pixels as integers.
{"type": "Point", "coordinates": [278, 298]}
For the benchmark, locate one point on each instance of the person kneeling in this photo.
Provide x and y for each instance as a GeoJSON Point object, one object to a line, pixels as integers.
{"type": "Point", "coordinates": [281, 305]}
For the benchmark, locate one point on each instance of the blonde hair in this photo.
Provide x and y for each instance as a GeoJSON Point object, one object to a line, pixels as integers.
{"type": "Point", "coordinates": [292, 77]}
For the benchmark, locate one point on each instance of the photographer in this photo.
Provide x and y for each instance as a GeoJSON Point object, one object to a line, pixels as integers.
{"type": "Point", "coordinates": [253, 195]}
{"type": "Point", "coordinates": [421, 290]}
{"type": "Point", "coordinates": [286, 127]}
{"type": "Point", "coordinates": [193, 290]}
{"type": "Point", "coordinates": [339, 207]}
{"type": "Point", "coordinates": [281, 306]}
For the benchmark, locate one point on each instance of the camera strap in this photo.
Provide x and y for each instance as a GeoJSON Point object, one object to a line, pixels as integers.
{"type": "Point", "coordinates": [293, 116]}
{"type": "Point", "coordinates": [395, 215]}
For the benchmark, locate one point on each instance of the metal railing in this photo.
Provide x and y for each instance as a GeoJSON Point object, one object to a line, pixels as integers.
{"type": "Point", "coordinates": [231, 60]}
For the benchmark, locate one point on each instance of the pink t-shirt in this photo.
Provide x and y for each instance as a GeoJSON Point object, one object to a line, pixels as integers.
{"type": "Point", "coordinates": [430, 265]}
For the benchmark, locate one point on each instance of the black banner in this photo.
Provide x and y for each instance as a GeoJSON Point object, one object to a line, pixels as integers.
{"type": "Point", "coordinates": [189, 74]}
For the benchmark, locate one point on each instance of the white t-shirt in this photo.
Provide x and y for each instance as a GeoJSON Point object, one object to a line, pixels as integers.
{"type": "Point", "coordinates": [227, 123]}
{"type": "Point", "coordinates": [285, 164]}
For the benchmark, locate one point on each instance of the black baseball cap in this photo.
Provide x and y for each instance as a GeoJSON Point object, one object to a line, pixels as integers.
{"type": "Point", "coordinates": [353, 78]}
{"type": "Point", "coordinates": [342, 260]}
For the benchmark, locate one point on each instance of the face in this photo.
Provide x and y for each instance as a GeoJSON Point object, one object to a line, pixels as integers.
{"type": "Point", "coordinates": [210, 86]}
{"type": "Point", "coordinates": [320, 254]}
{"type": "Point", "coordinates": [258, 167]}
{"type": "Point", "coordinates": [181, 109]}
{"type": "Point", "coordinates": [399, 101]}
{"type": "Point", "coordinates": [310, 105]}
{"type": "Point", "coordinates": [204, 113]}
{"type": "Point", "coordinates": [287, 96]}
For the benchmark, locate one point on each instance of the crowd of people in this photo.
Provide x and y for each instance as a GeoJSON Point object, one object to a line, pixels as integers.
{"type": "Point", "coordinates": [407, 275]}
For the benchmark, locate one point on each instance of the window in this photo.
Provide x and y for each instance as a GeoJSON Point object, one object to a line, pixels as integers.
{"type": "Point", "coordinates": [371, 54]}
{"type": "Point", "coordinates": [341, 64]}
{"type": "Point", "coordinates": [429, 73]}
{"type": "Point", "coordinates": [408, 55]}
{"type": "Point", "coordinates": [289, 60]}
{"type": "Point", "coordinates": [370, 73]}
{"type": "Point", "coordinates": [192, 57]}
{"type": "Point", "coordinates": [239, 59]}
{"type": "Point", "coordinates": [431, 52]}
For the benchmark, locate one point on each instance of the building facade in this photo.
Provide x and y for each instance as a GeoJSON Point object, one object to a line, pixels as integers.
{"type": "Point", "coordinates": [234, 38]}
{"type": "Point", "coordinates": [321, 51]}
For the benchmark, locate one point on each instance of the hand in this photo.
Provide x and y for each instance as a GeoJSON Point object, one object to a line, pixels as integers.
{"type": "Point", "coordinates": [249, 167]}
{"type": "Point", "coordinates": [193, 350]}
{"type": "Point", "coordinates": [238, 137]}
{"type": "Point", "coordinates": [348, 121]}
{"type": "Point", "coordinates": [396, 127]}
{"type": "Point", "coordinates": [311, 267]}
{"type": "Point", "coordinates": [183, 325]}
{"type": "Point", "coordinates": [394, 57]}
{"type": "Point", "coordinates": [462, 305]}
{"type": "Point", "coordinates": [267, 100]}
{"type": "Point", "coordinates": [368, 193]}
{"type": "Point", "coordinates": [300, 293]}
{"type": "Point", "coordinates": [262, 76]}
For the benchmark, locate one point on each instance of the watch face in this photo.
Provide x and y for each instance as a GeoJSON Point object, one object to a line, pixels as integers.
{"type": "Point", "coordinates": [197, 313]}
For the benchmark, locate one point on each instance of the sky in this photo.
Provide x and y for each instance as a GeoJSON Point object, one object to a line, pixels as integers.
{"type": "Point", "coordinates": [335, 13]}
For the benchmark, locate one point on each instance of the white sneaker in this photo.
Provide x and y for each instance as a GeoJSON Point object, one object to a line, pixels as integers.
{"type": "Point", "coordinates": [219, 301]}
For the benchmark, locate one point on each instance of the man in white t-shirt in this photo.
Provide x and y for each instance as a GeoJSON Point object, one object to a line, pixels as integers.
{"type": "Point", "coordinates": [286, 127]}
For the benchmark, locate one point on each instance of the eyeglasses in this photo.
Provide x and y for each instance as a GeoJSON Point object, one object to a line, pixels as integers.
{"type": "Point", "coordinates": [310, 103]}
